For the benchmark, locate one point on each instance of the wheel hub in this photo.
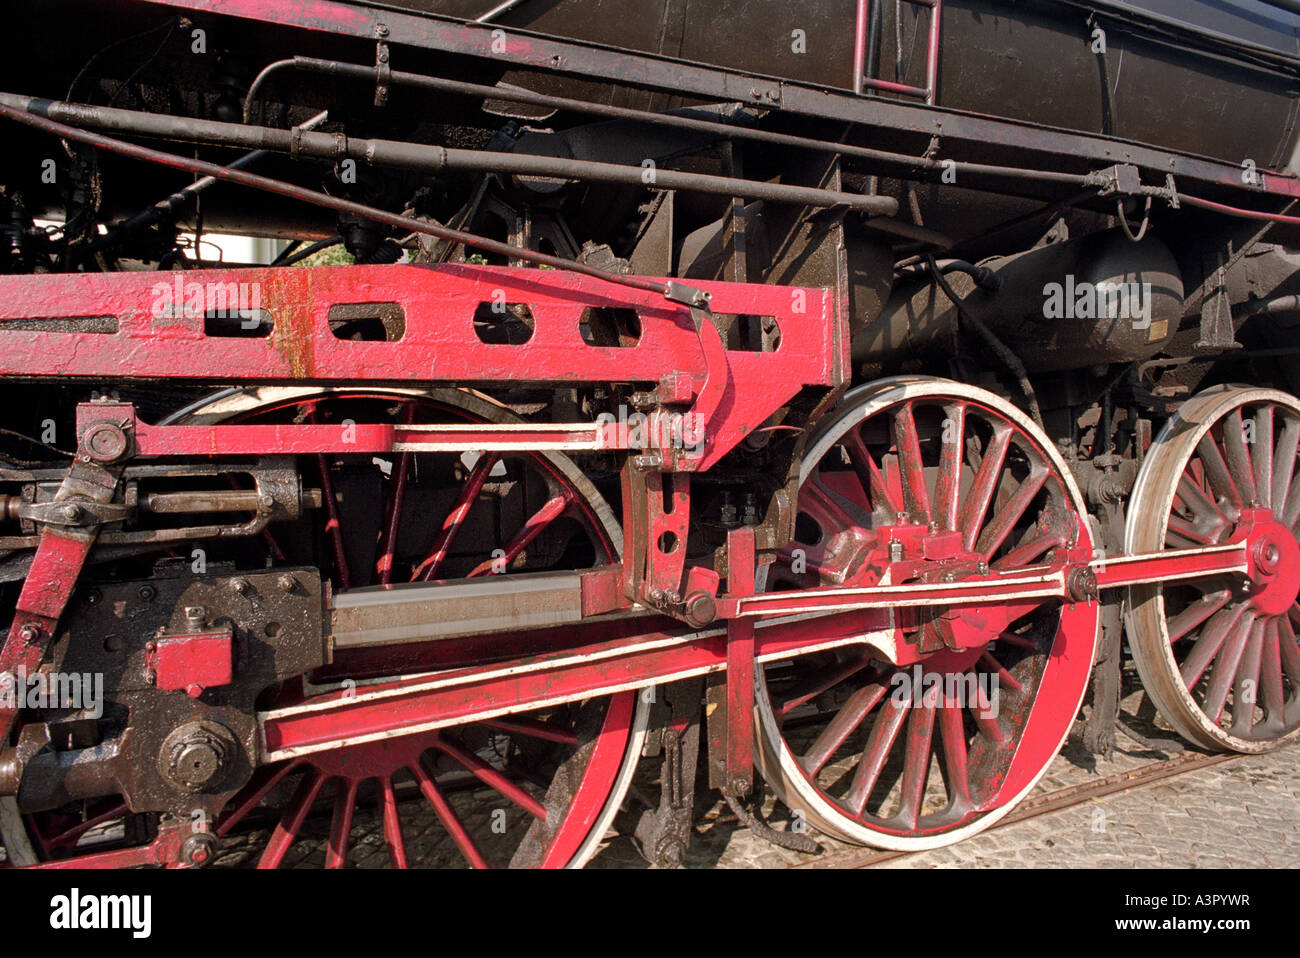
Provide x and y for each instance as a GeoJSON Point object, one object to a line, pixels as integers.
{"type": "Point", "coordinates": [1274, 560]}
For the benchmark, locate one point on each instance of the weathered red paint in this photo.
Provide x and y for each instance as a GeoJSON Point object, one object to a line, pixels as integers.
{"type": "Point", "coordinates": [736, 391]}
{"type": "Point", "coordinates": [193, 663]}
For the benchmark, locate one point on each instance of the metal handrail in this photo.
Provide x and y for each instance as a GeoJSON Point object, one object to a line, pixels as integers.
{"type": "Point", "coordinates": [861, 81]}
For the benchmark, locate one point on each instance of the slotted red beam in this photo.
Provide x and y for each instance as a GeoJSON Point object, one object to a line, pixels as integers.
{"type": "Point", "coordinates": [157, 333]}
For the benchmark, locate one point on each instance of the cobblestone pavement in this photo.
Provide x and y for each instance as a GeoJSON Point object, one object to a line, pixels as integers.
{"type": "Point", "coordinates": [1244, 813]}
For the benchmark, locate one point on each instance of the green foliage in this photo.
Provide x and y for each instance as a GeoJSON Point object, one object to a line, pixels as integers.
{"type": "Point", "coordinates": [330, 256]}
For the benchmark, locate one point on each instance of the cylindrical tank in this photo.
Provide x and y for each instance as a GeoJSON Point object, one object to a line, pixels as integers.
{"type": "Point", "coordinates": [1216, 79]}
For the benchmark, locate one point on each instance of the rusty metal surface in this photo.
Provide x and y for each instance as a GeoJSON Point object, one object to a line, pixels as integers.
{"type": "Point", "coordinates": [121, 632]}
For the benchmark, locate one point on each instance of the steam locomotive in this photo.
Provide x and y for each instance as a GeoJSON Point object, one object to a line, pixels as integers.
{"type": "Point", "coordinates": [840, 391]}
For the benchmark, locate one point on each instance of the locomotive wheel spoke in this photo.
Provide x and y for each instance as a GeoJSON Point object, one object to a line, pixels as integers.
{"type": "Point", "coordinates": [551, 781]}
{"type": "Point", "coordinates": [994, 667]}
{"type": "Point", "coordinates": [1218, 476]}
{"type": "Point", "coordinates": [916, 761]}
{"type": "Point", "coordinates": [985, 485]}
{"type": "Point", "coordinates": [1246, 690]}
{"type": "Point", "coordinates": [916, 494]}
{"type": "Point", "coordinates": [1208, 645]}
{"type": "Point", "coordinates": [844, 724]}
{"type": "Point", "coordinates": [1218, 655]}
{"type": "Point", "coordinates": [291, 821]}
{"type": "Point", "coordinates": [828, 508]}
{"type": "Point", "coordinates": [822, 680]}
{"type": "Point", "coordinates": [917, 755]}
{"type": "Point", "coordinates": [1197, 613]}
{"type": "Point", "coordinates": [1272, 690]}
{"type": "Point", "coordinates": [1226, 664]}
{"type": "Point", "coordinates": [1262, 457]}
{"type": "Point", "coordinates": [345, 803]}
{"type": "Point", "coordinates": [952, 730]}
{"type": "Point", "coordinates": [1196, 499]}
{"type": "Point", "coordinates": [491, 777]}
{"type": "Point", "coordinates": [1031, 551]}
{"type": "Point", "coordinates": [1284, 459]}
{"type": "Point", "coordinates": [541, 730]}
{"type": "Point", "coordinates": [1289, 649]}
{"type": "Point", "coordinates": [448, 818]}
{"type": "Point", "coordinates": [428, 570]}
{"type": "Point", "coordinates": [1011, 514]}
{"type": "Point", "coordinates": [393, 515]}
{"type": "Point", "coordinates": [869, 474]}
{"type": "Point", "coordinates": [881, 742]}
{"type": "Point", "coordinates": [253, 796]}
{"type": "Point", "coordinates": [1238, 457]}
{"type": "Point", "coordinates": [947, 490]}
{"type": "Point", "coordinates": [555, 507]}
{"type": "Point", "coordinates": [393, 824]}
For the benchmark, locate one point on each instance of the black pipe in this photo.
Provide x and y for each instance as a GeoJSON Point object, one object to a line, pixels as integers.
{"type": "Point", "coordinates": [171, 204]}
{"type": "Point", "coordinates": [672, 290]}
{"type": "Point", "coordinates": [714, 127]}
{"type": "Point", "coordinates": [433, 159]}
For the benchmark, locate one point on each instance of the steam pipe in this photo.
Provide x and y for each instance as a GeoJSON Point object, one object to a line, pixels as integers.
{"type": "Point", "coordinates": [430, 158]}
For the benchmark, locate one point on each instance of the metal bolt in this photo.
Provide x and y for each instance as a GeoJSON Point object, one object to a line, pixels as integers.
{"type": "Point", "coordinates": [381, 29]}
{"type": "Point", "coordinates": [72, 512]}
{"type": "Point", "coordinates": [93, 596]}
{"type": "Point", "coordinates": [701, 609]}
{"type": "Point", "coordinates": [147, 592]}
{"type": "Point", "coordinates": [198, 849]}
{"type": "Point", "coordinates": [195, 614]}
{"type": "Point", "coordinates": [671, 853]}
{"type": "Point", "coordinates": [730, 515]}
{"type": "Point", "coordinates": [241, 585]}
{"type": "Point", "coordinates": [982, 568]}
{"type": "Point", "coordinates": [151, 646]}
{"type": "Point", "coordinates": [286, 583]}
{"type": "Point", "coordinates": [895, 551]}
{"type": "Point", "coordinates": [104, 442]}
{"type": "Point", "coordinates": [30, 633]}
